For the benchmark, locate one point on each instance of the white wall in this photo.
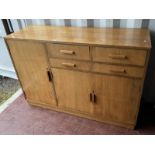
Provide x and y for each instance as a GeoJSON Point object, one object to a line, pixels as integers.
{"type": "Point", "coordinates": [6, 66]}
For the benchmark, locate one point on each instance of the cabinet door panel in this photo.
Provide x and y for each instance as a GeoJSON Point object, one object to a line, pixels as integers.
{"type": "Point", "coordinates": [73, 90]}
{"type": "Point", "coordinates": [120, 97]}
{"type": "Point", "coordinates": [117, 98]}
{"type": "Point", "coordinates": [31, 64]}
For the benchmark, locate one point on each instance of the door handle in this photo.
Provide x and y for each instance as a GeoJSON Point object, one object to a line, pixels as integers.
{"type": "Point", "coordinates": [49, 76]}
{"type": "Point", "coordinates": [93, 97]}
{"type": "Point", "coordinates": [90, 95]}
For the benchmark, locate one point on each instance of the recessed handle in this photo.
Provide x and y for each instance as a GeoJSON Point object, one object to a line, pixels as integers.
{"type": "Point", "coordinates": [93, 97]}
{"type": "Point", "coordinates": [115, 56]}
{"type": "Point", "coordinates": [118, 70]}
{"type": "Point", "coordinates": [67, 52]}
{"type": "Point", "coordinates": [49, 75]}
{"type": "Point", "coordinates": [66, 64]}
{"type": "Point", "coordinates": [90, 95]}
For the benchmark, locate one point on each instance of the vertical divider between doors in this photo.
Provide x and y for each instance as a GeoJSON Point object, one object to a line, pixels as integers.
{"type": "Point", "coordinates": [49, 68]}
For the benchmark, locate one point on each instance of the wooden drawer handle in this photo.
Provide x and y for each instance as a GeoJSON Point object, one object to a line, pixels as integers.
{"type": "Point", "coordinates": [68, 64]}
{"type": "Point", "coordinates": [67, 52]}
{"type": "Point", "coordinates": [118, 56]}
{"type": "Point", "coordinates": [118, 70]}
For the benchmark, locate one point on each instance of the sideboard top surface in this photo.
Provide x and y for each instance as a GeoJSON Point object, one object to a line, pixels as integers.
{"type": "Point", "coordinates": [122, 37]}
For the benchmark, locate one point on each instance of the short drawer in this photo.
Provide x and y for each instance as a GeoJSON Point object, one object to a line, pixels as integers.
{"type": "Point", "coordinates": [68, 51]}
{"type": "Point", "coordinates": [70, 64]}
{"type": "Point", "coordinates": [136, 72]}
{"type": "Point", "coordinates": [119, 56]}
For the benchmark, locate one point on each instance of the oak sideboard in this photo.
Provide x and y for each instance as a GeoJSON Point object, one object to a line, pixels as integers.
{"type": "Point", "coordinates": [96, 73]}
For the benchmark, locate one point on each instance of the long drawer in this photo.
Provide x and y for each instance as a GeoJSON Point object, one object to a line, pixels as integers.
{"type": "Point", "coordinates": [119, 56]}
{"type": "Point", "coordinates": [68, 51]}
{"type": "Point", "coordinates": [136, 72]}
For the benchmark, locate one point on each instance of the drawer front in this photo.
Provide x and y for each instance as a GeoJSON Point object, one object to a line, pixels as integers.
{"type": "Point", "coordinates": [119, 56]}
{"type": "Point", "coordinates": [68, 51]}
{"type": "Point", "coordinates": [136, 72]}
{"type": "Point", "coordinates": [70, 64]}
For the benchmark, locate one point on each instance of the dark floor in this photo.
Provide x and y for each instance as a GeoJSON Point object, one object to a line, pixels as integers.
{"type": "Point", "coordinates": [146, 117]}
{"type": "Point", "coordinates": [8, 87]}
{"type": "Point", "coordinates": [21, 118]}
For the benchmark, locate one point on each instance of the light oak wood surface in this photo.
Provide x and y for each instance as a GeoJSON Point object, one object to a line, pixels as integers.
{"type": "Point", "coordinates": [96, 73]}
{"type": "Point", "coordinates": [70, 64]}
{"type": "Point", "coordinates": [119, 56]}
{"type": "Point", "coordinates": [137, 38]}
{"type": "Point", "coordinates": [31, 63]}
{"type": "Point", "coordinates": [115, 96]}
{"type": "Point", "coordinates": [68, 51]}
{"type": "Point", "coordinates": [128, 71]}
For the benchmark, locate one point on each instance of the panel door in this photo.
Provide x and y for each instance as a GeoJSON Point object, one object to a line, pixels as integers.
{"type": "Point", "coordinates": [116, 98]}
{"type": "Point", "coordinates": [73, 90]}
{"type": "Point", "coordinates": [31, 64]}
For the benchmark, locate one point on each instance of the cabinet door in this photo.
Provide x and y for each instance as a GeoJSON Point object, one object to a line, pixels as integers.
{"type": "Point", "coordinates": [31, 64]}
{"type": "Point", "coordinates": [118, 98]}
{"type": "Point", "coordinates": [73, 90]}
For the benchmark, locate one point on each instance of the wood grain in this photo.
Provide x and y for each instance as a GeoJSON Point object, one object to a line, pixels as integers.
{"type": "Point", "coordinates": [127, 71]}
{"type": "Point", "coordinates": [97, 73]}
{"type": "Point", "coordinates": [119, 56]}
{"type": "Point", "coordinates": [31, 64]}
{"type": "Point", "coordinates": [115, 96]}
{"type": "Point", "coordinates": [68, 51]}
{"type": "Point", "coordinates": [75, 65]}
{"type": "Point", "coordinates": [132, 38]}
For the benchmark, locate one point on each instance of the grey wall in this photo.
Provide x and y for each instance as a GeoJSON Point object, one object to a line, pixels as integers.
{"type": "Point", "coordinates": [123, 23]}
{"type": "Point", "coordinates": [149, 87]}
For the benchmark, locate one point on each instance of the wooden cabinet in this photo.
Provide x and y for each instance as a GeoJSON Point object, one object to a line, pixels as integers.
{"type": "Point", "coordinates": [83, 71]}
